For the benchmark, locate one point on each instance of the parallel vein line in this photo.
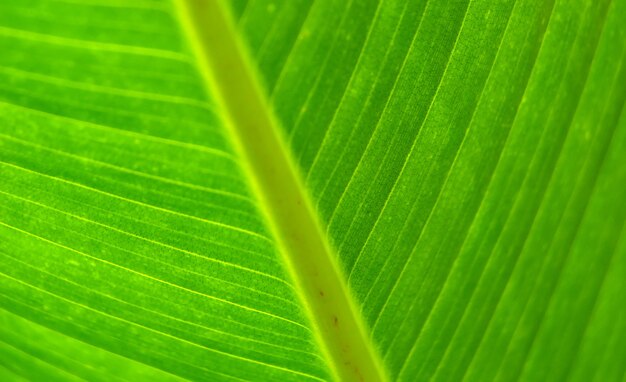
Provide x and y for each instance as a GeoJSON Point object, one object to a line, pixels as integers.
{"type": "Point", "coordinates": [140, 95]}
{"type": "Point", "coordinates": [187, 322]}
{"type": "Point", "coordinates": [410, 153]}
{"type": "Point", "coordinates": [210, 222]}
{"type": "Point", "coordinates": [449, 171]}
{"type": "Point", "coordinates": [247, 308]}
{"type": "Point", "coordinates": [92, 45]}
{"type": "Point", "coordinates": [240, 358]}
{"type": "Point", "coordinates": [319, 75]}
{"type": "Point", "coordinates": [469, 227]}
{"type": "Point", "coordinates": [131, 171]}
{"type": "Point", "coordinates": [157, 243]}
{"type": "Point", "coordinates": [513, 207]}
{"type": "Point", "coordinates": [548, 183]}
{"type": "Point", "coordinates": [119, 131]}
{"type": "Point", "coordinates": [367, 101]}
{"type": "Point", "coordinates": [86, 329]}
{"type": "Point", "coordinates": [41, 359]}
{"type": "Point", "coordinates": [131, 218]}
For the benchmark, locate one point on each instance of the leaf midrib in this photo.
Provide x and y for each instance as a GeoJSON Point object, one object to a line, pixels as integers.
{"type": "Point", "coordinates": [231, 78]}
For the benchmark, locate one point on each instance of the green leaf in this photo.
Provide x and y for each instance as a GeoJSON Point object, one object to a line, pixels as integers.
{"type": "Point", "coordinates": [312, 190]}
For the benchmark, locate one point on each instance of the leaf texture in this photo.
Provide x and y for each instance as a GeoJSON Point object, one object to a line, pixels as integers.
{"type": "Point", "coordinates": [465, 159]}
{"type": "Point", "coordinates": [456, 152]}
{"type": "Point", "coordinates": [127, 222]}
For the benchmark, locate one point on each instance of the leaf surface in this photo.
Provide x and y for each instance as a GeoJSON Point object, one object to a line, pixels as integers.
{"type": "Point", "coordinates": [394, 190]}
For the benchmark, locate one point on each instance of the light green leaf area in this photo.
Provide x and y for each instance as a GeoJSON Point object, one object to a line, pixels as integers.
{"type": "Point", "coordinates": [296, 190]}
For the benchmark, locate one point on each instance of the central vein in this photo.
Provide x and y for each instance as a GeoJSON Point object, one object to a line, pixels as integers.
{"type": "Point", "coordinates": [309, 259]}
